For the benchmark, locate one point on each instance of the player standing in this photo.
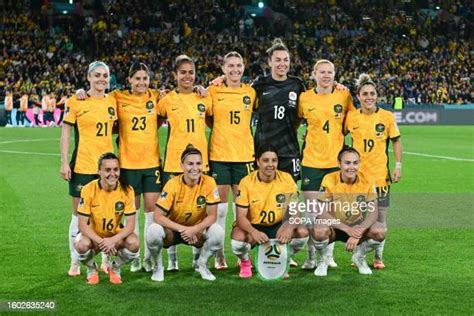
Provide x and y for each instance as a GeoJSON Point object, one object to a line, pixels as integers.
{"type": "Point", "coordinates": [276, 107]}
{"type": "Point", "coordinates": [231, 113]}
{"type": "Point", "coordinates": [371, 129]}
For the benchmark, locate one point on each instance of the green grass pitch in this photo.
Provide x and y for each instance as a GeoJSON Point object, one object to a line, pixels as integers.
{"type": "Point", "coordinates": [428, 253]}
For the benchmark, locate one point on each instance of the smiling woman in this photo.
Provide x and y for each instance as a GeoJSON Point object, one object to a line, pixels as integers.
{"type": "Point", "coordinates": [93, 120]}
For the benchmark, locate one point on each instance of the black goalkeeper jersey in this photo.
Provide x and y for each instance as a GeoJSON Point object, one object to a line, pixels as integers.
{"type": "Point", "coordinates": [277, 113]}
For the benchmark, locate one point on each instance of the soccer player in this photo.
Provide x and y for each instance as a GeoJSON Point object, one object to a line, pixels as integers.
{"type": "Point", "coordinates": [138, 145]}
{"type": "Point", "coordinates": [92, 120]}
{"type": "Point", "coordinates": [371, 129]}
{"type": "Point", "coordinates": [261, 209]}
{"type": "Point", "coordinates": [348, 206]}
{"type": "Point", "coordinates": [103, 203]}
{"type": "Point", "coordinates": [324, 109]}
{"type": "Point", "coordinates": [186, 113]}
{"type": "Point", "coordinates": [186, 213]}
{"type": "Point", "coordinates": [231, 113]}
{"type": "Point", "coordinates": [9, 107]}
{"type": "Point", "coordinates": [276, 107]}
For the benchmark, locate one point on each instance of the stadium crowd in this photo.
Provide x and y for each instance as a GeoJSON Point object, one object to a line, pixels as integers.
{"type": "Point", "coordinates": [417, 51]}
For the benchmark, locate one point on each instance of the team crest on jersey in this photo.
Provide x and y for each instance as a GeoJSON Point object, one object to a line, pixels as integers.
{"type": "Point", "coordinates": [280, 199]}
{"type": "Point", "coordinates": [338, 111]}
{"type": "Point", "coordinates": [201, 201]}
{"type": "Point", "coordinates": [379, 129]}
{"type": "Point", "coordinates": [111, 111]}
{"type": "Point", "coordinates": [246, 100]}
{"type": "Point", "coordinates": [273, 252]}
{"type": "Point", "coordinates": [306, 181]}
{"type": "Point", "coordinates": [292, 96]}
{"type": "Point", "coordinates": [149, 106]}
{"type": "Point", "coordinates": [119, 207]}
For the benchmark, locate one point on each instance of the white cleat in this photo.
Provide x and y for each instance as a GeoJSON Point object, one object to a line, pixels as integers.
{"type": "Point", "coordinates": [309, 264]}
{"type": "Point", "coordinates": [158, 274]}
{"type": "Point", "coordinates": [361, 264]}
{"type": "Point", "coordinates": [205, 273]}
{"type": "Point", "coordinates": [148, 265]}
{"type": "Point", "coordinates": [330, 261]}
{"type": "Point", "coordinates": [321, 269]}
{"type": "Point", "coordinates": [75, 268]}
{"type": "Point", "coordinates": [293, 263]}
{"type": "Point", "coordinates": [172, 266]}
{"type": "Point", "coordinates": [136, 265]}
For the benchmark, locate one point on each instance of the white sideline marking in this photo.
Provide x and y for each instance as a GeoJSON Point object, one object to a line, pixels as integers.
{"type": "Point", "coordinates": [436, 156]}
{"type": "Point", "coordinates": [28, 153]}
{"type": "Point", "coordinates": [28, 140]}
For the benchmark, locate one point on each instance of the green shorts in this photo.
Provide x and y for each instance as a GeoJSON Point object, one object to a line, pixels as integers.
{"type": "Point", "coordinates": [168, 175]}
{"type": "Point", "coordinates": [78, 180]}
{"type": "Point", "coordinates": [383, 196]}
{"type": "Point", "coordinates": [312, 177]}
{"type": "Point", "coordinates": [143, 180]}
{"type": "Point", "coordinates": [270, 231]}
{"type": "Point", "coordinates": [229, 173]}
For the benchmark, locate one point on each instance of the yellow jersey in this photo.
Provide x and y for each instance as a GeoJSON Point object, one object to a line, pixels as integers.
{"type": "Point", "coordinates": [105, 209]}
{"type": "Point", "coordinates": [186, 114]}
{"type": "Point", "coordinates": [350, 202]}
{"type": "Point", "coordinates": [324, 114]}
{"type": "Point", "coordinates": [266, 202]}
{"type": "Point", "coordinates": [186, 205]}
{"type": "Point", "coordinates": [138, 129]}
{"type": "Point", "coordinates": [231, 137]}
{"type": "Point", "coordinates": [93, 120]}
{"type": "Point", "coordinates": [370, 135]}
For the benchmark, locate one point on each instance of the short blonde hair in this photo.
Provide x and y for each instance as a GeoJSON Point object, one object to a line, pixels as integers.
{"type": "Point", "coordinates": [323, 61]}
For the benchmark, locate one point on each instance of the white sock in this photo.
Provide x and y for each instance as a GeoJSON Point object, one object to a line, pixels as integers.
{"type": "Point", "coordinates": [148, 222]}
{"type": "Point", "coordinates": [87, 258]}
{"type": "Point", "coordinates": [154, 238]}
{"type": "Point", "coordinates": [366, 247]}
{"type": "Point", "coordinates": [330, 250]}
{"type": "Point", "coordinates": [214, 237]}
{"type": "Point", "coordinates": [73, 231]}
{"type": "Point", "coordinates": [297, 244]}
{"type": "Point", "coordinates": [124, 256]}
{"type": "Point", "coordinates": [240, 249]}
{"type": "Point", "coordinates": [221, 216]}
{"type": "Point", "coordinates": [172, 250]}
{"type": "Point", "coordinates": [321, 246]}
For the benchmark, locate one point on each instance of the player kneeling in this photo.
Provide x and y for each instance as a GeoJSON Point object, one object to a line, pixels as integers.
{"type": "Point", "coordinates": [348, 208]}
{"type": "Point", "coordinates": [186, 213]}
{"type": "Point", "coordinates": [261, 207]}
{"type": "Point", "coordinates": [103, 203]}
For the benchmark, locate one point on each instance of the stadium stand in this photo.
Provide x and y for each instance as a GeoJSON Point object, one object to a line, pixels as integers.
{"type": "Point", "coordinates": [415, 49]}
